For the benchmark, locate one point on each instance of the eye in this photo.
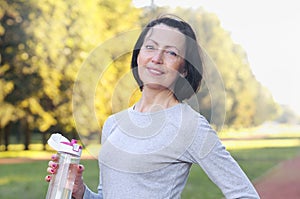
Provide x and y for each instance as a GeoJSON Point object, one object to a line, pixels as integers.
{"type": "Point", "coordinates": [170, 52]}
{"type": "Point", "coordinates": [149, 47]}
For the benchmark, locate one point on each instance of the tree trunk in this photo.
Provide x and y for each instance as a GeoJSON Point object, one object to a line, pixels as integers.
{"type": "Point", "coordinates": [1, 136]}
{"type": "Point", "coordinates": [27, 134]}
{"type": "Point", "coordinates": [44, 140]}
{"type": "Point", "coordinates": [6, 136]}
{"type": "Point", "coordinates": [1, 133]}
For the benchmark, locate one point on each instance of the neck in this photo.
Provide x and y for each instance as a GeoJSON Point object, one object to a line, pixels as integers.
{"type": "Point", "coordinates": [155, 100]}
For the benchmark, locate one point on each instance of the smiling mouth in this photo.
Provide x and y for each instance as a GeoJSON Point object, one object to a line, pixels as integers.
{"type": "Point", "coordinates": [154, 71]}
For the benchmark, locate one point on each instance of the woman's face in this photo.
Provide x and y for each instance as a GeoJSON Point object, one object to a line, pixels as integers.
{"type": "Point", "coordinates": [161, 57]}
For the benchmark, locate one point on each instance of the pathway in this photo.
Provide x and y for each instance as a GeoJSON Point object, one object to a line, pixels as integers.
{"type": "Point", "coordinates": [282, 182]}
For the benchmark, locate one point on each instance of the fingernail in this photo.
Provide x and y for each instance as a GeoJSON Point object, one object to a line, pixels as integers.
{"type": "Point", "coordinates": [54, 165]}
{"type": "Point", "coordinates": [53, 157]}
{"type": "Point", "coordinates": [81, 167]}
{"type": "Point", "coordinates": [47, 178]}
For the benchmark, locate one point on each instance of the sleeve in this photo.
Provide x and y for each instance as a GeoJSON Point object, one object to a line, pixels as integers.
{"type": "Point", "coordinates": [208, 151]}
{"type": "Point", "coordinates": [88, 194]}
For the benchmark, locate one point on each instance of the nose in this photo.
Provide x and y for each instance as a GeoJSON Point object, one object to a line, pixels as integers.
{"type": "Point", "coordinates": [158, 56]}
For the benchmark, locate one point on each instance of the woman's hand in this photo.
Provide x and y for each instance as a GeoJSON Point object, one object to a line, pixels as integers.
{"type": "Point", "coordinates": [78, 188]}
{"type": "Point", "coordinates": [52, 167]}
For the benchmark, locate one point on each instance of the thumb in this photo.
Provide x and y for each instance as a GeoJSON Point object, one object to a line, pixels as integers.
{"type": "Point", "coordinates": [80, 169]}
{"type": "Point", "coordinates": [79, 188]}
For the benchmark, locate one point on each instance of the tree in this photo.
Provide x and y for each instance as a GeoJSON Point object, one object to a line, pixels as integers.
{"type": "Point", "coordinates": [18, 80]}
{"type": "Point", "coordinates": [44, 46]}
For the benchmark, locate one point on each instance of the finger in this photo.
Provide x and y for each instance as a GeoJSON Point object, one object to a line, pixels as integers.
{"type": "Point", "coordinates": [48, 178]}
{"type": "Point", "coordinates": [55, 157]}
{"type": "Point", "coordinates": [53, 164]}
{"type": "Point", "coordinates": [80, 168]}
{"type": "Point", "coordinates": [79, 187]}
{"type": "Point", "coordinates": [51, 170]}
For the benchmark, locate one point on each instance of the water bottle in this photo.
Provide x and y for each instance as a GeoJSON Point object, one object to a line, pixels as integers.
{"type": "Point", "coordinates": [61, 184]}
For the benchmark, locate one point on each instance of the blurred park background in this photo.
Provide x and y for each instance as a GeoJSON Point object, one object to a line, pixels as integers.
{"type": "Point", "coordinates": [43, 45]}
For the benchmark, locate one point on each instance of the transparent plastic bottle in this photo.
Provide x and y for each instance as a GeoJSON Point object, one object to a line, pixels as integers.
{"type": "Point", "coordinates": [62, 182]}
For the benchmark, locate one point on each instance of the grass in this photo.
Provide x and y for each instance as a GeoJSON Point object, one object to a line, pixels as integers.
{"type": "Point", "coordinates": [26, 180]}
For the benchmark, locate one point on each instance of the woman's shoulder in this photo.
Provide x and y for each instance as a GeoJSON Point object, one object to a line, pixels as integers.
{"type": "Point", "coordinates": [200, 125]}
{"type": "Point", "coordinates": [113, 119]}
{"type": "Point", "coordinates": [192, 112]}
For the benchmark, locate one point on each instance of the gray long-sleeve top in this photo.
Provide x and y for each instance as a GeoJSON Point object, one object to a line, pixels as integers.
{"type": "Point", "coordinates": [149, 155]}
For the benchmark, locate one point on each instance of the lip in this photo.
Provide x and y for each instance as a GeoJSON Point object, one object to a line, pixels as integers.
{"type": "Point", "coordinates": [154, 71]}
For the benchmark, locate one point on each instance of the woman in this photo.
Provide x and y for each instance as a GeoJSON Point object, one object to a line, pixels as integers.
{"type": "Point", "coordinates": [148, 149]}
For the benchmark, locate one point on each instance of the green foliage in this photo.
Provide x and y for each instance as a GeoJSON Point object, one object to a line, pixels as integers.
{"type": "Point", "coordinates": [44, 46]}
{"type": "Point", "coordinates": [287, 115]}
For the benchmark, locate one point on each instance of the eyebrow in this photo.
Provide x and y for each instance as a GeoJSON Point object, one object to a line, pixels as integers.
{"type": "Point", "coordinates": [146, 39]}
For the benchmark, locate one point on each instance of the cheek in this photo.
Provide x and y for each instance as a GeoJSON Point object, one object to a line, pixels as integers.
{"type": "Point", "coordinates": [141, 59]}
{"type": "Point", "coordinates": [138, 59]}
{"type": "Point", "coordinates": [139, 66]}
{"type": "Point", "coordinates": [178, 67]}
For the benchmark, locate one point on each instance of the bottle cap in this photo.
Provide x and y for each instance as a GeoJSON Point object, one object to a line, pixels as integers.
{"type": "Point", "coordinates": [62, 144]}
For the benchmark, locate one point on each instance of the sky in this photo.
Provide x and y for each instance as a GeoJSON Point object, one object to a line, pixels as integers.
{"type": "Point", "coordinates": [269, 32]}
